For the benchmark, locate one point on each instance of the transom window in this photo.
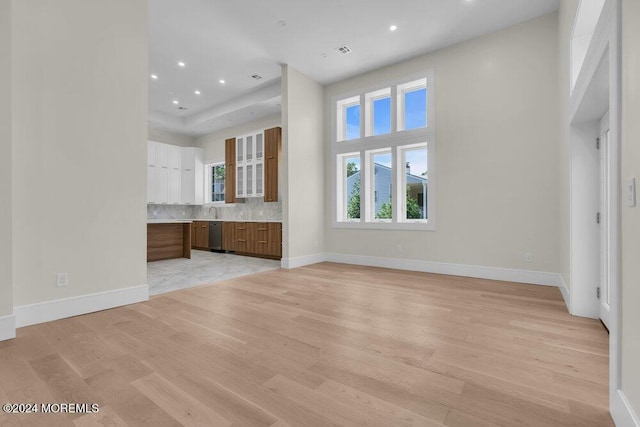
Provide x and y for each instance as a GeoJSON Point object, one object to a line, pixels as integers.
{"type": "Point", "coordinates": [385, 175]}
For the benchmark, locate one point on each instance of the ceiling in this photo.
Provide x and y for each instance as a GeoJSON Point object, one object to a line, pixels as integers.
{"type": "Point", "coordinates": [233, 40]}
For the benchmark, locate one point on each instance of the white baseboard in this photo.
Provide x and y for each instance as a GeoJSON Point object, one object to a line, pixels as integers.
{"type": "Point", "coordinates": [566, 295]}
{"type": "Point", "coordinates": [480, 272]}
{"type": "Point", "coordinates": [47, 311]}
{"type": "Point", "coordinates": [289, 263]}
{"type": "Point", "coordinates": [621, 411]}
{"type": "Point", "coordinates": [7, 327]}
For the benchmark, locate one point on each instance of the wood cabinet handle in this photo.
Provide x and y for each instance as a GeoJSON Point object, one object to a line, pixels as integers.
{"type": "Point", "coordinates": [262, 241]}
{"type": "Point", "coordinates": [241, 240]}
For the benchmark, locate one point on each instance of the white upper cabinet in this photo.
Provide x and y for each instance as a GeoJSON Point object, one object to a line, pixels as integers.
{"type": "Point", "coordinates": [151, 153]}
{"type": "Point", "coordinates": [192, 186]}
{"type": "Point", "coordinates": [249, 165]}
{"type": "Point", "coordinates": [175, 175]}
{"type": "Point", "coordinates": [152, 188]}
{"type": "Point", "coordinates": [162, 155]}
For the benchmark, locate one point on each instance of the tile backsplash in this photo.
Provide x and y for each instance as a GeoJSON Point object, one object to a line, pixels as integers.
{"type": "Point", "coordinates": [253, 209]}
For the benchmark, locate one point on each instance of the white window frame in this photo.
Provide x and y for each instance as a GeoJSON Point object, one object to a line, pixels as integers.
{"type": "Point", "coordinates": [340, 130]}
{"type": "Point", "coordinates": [370, 99]}
{"type": "Point", "coordinates": [395, 141]}
{"type": "Point", "coordinates": [401, 177]}
{"type": "Point", "coordinates": [208, 195]}
{"type": "Point", "coordinates": [402, 90]}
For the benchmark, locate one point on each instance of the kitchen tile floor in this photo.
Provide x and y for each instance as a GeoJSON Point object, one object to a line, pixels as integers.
{"type": "Point", "coordinates": [203, 268]}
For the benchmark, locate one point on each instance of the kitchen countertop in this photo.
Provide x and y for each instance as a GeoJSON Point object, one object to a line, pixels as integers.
{"type": "Point", "coordinates": [185, 221]}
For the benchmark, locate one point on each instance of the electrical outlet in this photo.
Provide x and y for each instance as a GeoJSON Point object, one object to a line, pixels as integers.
{"type": "Point", "coordinates": [631, 193]}
{"type": "Point", "coordinates": [528, 257]}
{"type": "Point", "coordinates": [62, 279]}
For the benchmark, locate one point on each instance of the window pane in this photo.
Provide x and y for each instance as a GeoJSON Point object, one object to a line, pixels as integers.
{"type": "Point", "coordinates": [240, 149]}
{"type": "Point", "coordinates": [217, 183]}
{"type": "Point", "coordinates": [381, 181]}
{"type": "Point", "coordinates": [415, 109]}
{"type": "Point", "coordinates": [352, 194]}
{"type": "Point", "coordinates": [352, 118]}
{"type": "Point", "coordinates": [249, 148]}
{"type": "Point", "coordinates": [240, 181]}
{"type": "Point", "coordinates": [259, 174]}
{"type": "Point", "coordinates": [382, 116]}
{"type": "Point", "coordinates": [416, 183]}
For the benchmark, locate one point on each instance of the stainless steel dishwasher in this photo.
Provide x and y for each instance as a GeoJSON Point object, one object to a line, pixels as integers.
{"type": "Point", "coordinates": [215, 235]}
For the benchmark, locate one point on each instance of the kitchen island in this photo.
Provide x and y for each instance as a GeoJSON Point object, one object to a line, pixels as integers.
{"type": "Point", "coordinates": [168, 239]}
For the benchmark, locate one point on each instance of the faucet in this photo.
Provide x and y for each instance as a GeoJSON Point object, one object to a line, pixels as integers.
{"type": "Point", "coordinates": [215, 212]}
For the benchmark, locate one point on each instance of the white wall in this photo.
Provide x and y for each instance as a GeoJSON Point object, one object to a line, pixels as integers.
{"type": "Point", "coordinates": [213, 143]}
{"type": "Point", "coordinates": [630, 216]}
{"type": "Point", "coordinates": [303, 168]}
{"type": "Point", "coordinates": [583, 26]}
{"type": "Point", "coordinates": [79, 187]}
{"type": "Point", "coordinates": [168, 137]}
{"type": "Point", "coordinates": [6, 297]}
{"type": "Point", "coordinates": [497, 112]}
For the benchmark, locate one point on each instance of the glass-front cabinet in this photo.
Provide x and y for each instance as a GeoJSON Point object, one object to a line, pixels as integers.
{"type": "Point", "coordinates": [249, 165]}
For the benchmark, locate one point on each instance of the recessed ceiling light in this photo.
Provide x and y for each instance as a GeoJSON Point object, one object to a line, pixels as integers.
{"type": "Point", "coordinates": [393, 27]}
{"type": "Point", "coordinates": [282, 22]}
{"type": "Point", "coordinates": [324, 54]}
{"type": "Point", "coordinates": [181, 64]}
{"type": "Point", "coordinates": [222, 81]}
{"type": "Point", "coordinates": [197, 92]}
{"type": "Point", "coordinates": [154, 76]}
{"type": "Point", "coordinates": [175, 101]}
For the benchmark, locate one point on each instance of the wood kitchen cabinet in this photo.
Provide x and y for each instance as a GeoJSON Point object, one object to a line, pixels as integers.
{"type": "Point", "coordinates": [230, 171]}
{"type": "Point", "coordinates": [241, 236]}
{"type": "Point", "coordinates": [263, 239]}
{"type": "Point", "coordinates": [167, 241]}
{"type": "Point", "coordinates": [200, 231]}
{"type": "Point", "coordinates": [229, 236]}
{"type": "Point", "coordinates": [272, 153]}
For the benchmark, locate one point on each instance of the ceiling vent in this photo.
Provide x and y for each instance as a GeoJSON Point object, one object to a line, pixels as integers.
{"type": "Point", "coordinates": [343, 50]}
{"type": "Point", "coordinates": [256, 77]}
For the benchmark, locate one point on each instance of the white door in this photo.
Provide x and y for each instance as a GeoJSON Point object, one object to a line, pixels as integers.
{"type": "Point", "coordinates": [604, 291]}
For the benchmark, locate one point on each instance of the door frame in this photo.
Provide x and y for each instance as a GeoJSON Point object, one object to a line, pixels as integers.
{"type": "Point", "coordinates": [606, 231]}
{"type": "Point", "coordinates": [606, 42]}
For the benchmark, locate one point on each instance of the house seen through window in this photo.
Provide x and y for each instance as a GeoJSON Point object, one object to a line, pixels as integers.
{"type": "Point", "coordinates": [216, 187]}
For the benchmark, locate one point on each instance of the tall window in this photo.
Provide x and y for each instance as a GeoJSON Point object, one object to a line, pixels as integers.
{"type": "Point", "coordinates": [215, 181]}
{"type": "Point", "coordinates": [385, 175]}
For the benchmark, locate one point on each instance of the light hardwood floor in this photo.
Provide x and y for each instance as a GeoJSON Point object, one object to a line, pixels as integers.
{"type": "Point", "coordinates": [324, 345]}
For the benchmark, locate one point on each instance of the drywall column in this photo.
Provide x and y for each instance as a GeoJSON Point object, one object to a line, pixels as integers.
{"type": "Point", "coordinates": [566, 18]}
{"type": "Point", "coordinates": [630, 156]}
{"type": "Point", "coordinates": [7, 323]}
{"type": "Point", "coordinates": [79, 152]}
{"type": "Point", "coordinates": [303, 169]}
